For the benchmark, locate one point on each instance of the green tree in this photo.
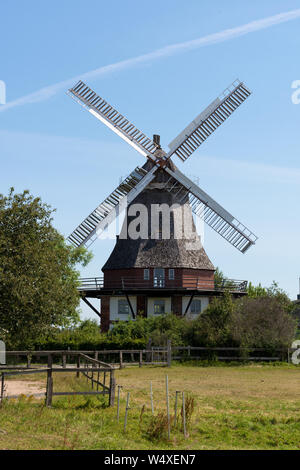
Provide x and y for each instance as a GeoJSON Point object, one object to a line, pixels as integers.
{"type": "Point", "coordinates": [38, 276]}
{"type": "Point", "coordinates": [213, 326]}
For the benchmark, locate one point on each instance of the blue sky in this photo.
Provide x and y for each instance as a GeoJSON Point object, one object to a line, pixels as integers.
{"type": "Point", "coordinates": [51, 146]}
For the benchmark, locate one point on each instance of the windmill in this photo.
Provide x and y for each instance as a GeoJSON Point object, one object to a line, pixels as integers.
{"type": "Point", "coordinates": [159, 162]}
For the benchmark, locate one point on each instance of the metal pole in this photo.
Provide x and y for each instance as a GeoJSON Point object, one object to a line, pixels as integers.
{"type": "Point", "coordinates": [151, 398]}
{"type": "Point", "coordinates": [183, 415]}
{"type": "Point", "coordinates": [168, 408]}
{"type": "Point", "coordinates": [126, 411]}
{"type": "Point", "coordinates": [176, 406]}
{"type": "Point", "coordinates": [169, 353]}
{"type": "Point", "coordinates": [118, 408]}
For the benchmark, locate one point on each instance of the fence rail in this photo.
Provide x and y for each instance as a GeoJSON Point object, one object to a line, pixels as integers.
{"type": "Point", "coordinates": [91, 366]}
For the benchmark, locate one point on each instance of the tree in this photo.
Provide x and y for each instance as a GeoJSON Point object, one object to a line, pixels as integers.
{"type": "Point", "coordinates": [38, 276]}
{"type": "Point", "coordinates": [262, 322]}
{"type": "Point", "coordinates": [213, 326]}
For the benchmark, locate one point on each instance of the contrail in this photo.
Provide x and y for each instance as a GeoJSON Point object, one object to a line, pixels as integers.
{"type": "Point", "coordinates": [225, 35]}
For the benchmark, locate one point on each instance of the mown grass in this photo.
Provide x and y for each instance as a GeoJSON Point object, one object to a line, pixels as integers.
{"type": "Point", "coordinates": [236, 407]}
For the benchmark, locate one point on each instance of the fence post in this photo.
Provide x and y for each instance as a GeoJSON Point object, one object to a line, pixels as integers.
{"type": "Point", "coordinates": [126, 411]}
{"type": "Point", "coordinates": [64, 360]}
{"type": "Point", "coordinates": [169, 353]}
{"type": "Point", "coordinates": [151, 398]}
{"type": "Point", "coordinates": [288, 355]}
{"type": "Point", "coordinates": [2, 387]}
{"type": "Point", "coordinates": [168, 407]}
{"type": "Point", "coordinates": [148, 354]}
{"type": "Point", "coordinates": [118, 410]}
{"type": "Point", "coordinates": [183, 415]}
{"type": "Point", "coordinates": [78, 366]}
{"type": "Point", "coordinates": [141, 359]}
{"type": "Point", "coordinates": [28, 361]}
{"type": "Point", "coordinates": [112, 388]}
{"type": "Point", "coordinates": [121, 359]}
{"type": "Point", "coordinates": [49, 386]}
{"type": "Point", "coordinates": [176, 406]}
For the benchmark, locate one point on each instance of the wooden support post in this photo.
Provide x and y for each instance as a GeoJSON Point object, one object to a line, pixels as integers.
{"type": "Point", "coordinates": [121, 359]}
{"type": "Point", "coordinates": [169, 353]}
{"type": "Point", "coordinates": [141, 359]}
{"type": "Point", "coordinates": [28, 361]}
{"type": "Point", "coordinates": [112, 388]}
{"type": "Point", "coordinates": [98, 378]}
{"type": "Point", "coordinates": [78, 366]}
{"type": "Point", "coordinates": [189, 303]}
{"type": "Point", "coordinates": [148, 355]}
{"type": "Point", "coordinates": [64, 360]}
{"type": "Point", "coordinates": [49, 389]}
{"type": "Point", "coordinates": [2, 387]}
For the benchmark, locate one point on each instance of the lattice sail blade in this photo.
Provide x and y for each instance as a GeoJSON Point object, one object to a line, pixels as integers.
{"type": "Point", "coordinates": [208, 121]}
{"type": "Point", "coordinates": [211, 212]}
{"type": "Point", "coordinates": [103, 111]}
{"type": "Point", "coordinates": [87, 232]}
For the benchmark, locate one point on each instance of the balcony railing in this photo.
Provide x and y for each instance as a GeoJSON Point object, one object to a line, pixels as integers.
{"type": "Point", "coordinates": [188, 283]}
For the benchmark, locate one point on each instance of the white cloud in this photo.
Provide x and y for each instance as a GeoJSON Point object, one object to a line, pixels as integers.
{"type": "Point", "coordinates": [257, 25]}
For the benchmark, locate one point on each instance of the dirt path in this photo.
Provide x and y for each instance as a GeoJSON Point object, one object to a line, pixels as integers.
{"type": "Point", "coordinates": [18, 387]}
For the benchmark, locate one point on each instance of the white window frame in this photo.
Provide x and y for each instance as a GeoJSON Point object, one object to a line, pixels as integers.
{"type": "Point", "coordinates": [125, 303]}
{"type": "Point", "coordinates": [171, 274]}
{"type": "Point", "coordinates": [159, 302]}
{"type": "Point", "coordinates": [198, 311]}
{"type": "Point", "coordinates": [146, 274]}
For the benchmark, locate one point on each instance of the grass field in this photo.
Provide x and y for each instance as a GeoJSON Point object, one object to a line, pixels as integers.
{"type": "Point", "coordinates": [236, 407]}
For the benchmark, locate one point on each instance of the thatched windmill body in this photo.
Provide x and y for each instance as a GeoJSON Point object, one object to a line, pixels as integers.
{"type": "Point", "coordinates": [158, 264]}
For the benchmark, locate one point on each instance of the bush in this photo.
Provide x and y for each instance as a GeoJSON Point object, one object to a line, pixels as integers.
{"type": "Point", "coordinates": [262, 322]}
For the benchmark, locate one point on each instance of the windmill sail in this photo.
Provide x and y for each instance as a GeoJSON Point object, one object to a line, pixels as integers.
{"type": "Point", "coordinates": [211, 212]}
{"type": "Point", "coordinates": [114, 204]}
{"type": "Point", "coordinates": [208, 121]}
{"type": "Point", "coordinates": [113, 119]}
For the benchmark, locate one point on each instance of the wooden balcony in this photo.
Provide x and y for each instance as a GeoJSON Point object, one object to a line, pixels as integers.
{"type": "Point", "coordinates": [95, 286]}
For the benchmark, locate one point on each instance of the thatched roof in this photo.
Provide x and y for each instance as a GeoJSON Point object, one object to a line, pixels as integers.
{"type": "Point", "coordinates": [185, 252]}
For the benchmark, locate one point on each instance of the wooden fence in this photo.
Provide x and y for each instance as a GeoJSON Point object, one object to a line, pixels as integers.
{"type": "Point", "coordinates": [115, 358]}
{"type": "Point", "coordinates": [95, 371]}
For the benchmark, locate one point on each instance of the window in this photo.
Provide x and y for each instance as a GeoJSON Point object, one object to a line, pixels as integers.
{"type": "Point", "coordinates": [123, 307]}
{"type": "Point", "coordinates": [171, 274]}
{"type": "Point", "coordinates": [146, 274]}
{"type": "Point", "coordinates": [159, 277]}
{"type": "Point", "coordinates": [196, 306]}
{"type": "Point", "coordinates": [159, 307]}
